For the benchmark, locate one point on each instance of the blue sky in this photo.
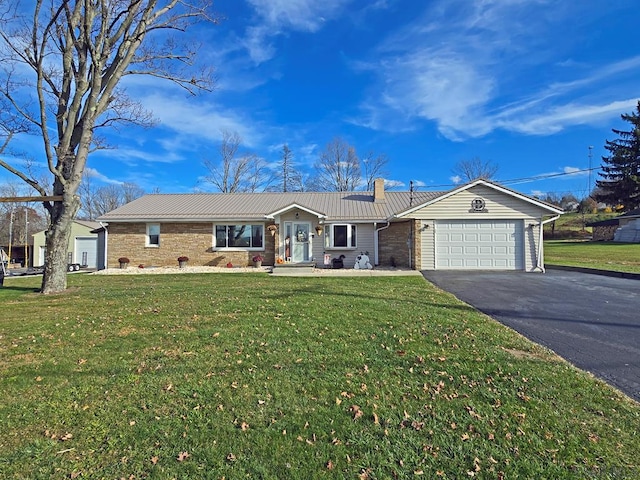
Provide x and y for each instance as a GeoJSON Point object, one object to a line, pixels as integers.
{"type": "Point", "coordinates": [526, 84]}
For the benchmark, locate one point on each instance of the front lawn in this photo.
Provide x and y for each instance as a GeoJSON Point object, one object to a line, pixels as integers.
{"type": "Point", "coordinates": [620, 257]}
{"type": "Point", "coordinates": [251, 376]}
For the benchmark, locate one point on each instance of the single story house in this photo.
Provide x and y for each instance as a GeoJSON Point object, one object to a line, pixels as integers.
{"type": "Point", "coordinates": [479, 225]}
{"type": "Point", "coordinates": [624, 228]}
{"type": "Point", "coordinates": [82, 248]}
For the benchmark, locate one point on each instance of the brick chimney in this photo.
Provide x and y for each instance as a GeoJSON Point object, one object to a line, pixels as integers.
{"type": "Point", "coordinates": [378, 190]}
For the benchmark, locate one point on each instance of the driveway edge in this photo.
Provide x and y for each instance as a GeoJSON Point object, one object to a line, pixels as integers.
{"type": "Point", "coordinates": [595, 271]}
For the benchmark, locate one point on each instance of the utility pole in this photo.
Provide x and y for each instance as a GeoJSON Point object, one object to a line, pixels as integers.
{"type": "Point", "coordinates": [10, 233]}
{"type": "Point", "coordinates": [26, 237]}
{"type": "Point", "coordinates": [590, 157]}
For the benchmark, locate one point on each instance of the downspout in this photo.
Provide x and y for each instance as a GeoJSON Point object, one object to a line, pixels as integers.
{"type": "Point", "coordinates": [376, 260]}
{"type": "Point", "coordinates": [106, 243]}
{"type": "Point", "coordinates": [541, 244]}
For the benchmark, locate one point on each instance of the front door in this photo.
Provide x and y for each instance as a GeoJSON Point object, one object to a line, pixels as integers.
{"type": "Point", "coordinates": [300, 242]}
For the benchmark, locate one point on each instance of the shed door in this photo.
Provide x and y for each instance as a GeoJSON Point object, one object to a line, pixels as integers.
{"type": "Point", "coordinates": [86, 251]}
{"type": "Point", "coordinates": [479, 245]}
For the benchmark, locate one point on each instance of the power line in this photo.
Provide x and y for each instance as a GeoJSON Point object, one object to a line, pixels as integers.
{"type": "Point", "coordinates": [515, 181]}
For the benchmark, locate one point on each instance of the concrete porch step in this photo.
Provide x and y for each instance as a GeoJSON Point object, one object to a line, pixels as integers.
{"type": "Point", "coordinates": [293, 268]}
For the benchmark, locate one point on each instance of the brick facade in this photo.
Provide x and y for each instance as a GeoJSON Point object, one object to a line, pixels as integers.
{"type": "Point", "coordinates": [393, 248]}
{"type": "Point", "coordinates": [194, 240]}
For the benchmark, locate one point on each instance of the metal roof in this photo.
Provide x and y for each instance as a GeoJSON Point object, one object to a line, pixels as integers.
{"type": "Point", "coordinates": [336, 206]}
{"type": "Point", "coordinates": [330, 206]}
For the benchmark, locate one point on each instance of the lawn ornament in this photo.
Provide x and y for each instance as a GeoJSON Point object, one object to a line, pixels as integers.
{"type": "Point", "coordinates": [338, 262]}
{"type": "Point", "coordinates": [363, 262]}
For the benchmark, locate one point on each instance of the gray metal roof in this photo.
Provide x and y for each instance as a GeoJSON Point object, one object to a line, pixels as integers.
{"type": "Point", "coordinates": [336, 206]}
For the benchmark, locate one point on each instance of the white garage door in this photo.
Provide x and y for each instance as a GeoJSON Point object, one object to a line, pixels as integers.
{"type": "Point", "coordinates": [86, 251]}
{"type": "Point", "coordinates": [479, 244]}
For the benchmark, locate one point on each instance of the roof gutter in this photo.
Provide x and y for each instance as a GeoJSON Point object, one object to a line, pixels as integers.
{"type": "Point", "coordinates": [106, 244]}
{"type": "Point", "coordinates": [539, 264]}
{"type": "Point", "coordinates": [376, 260]}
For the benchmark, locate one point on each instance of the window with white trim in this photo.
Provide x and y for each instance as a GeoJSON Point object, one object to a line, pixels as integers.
{"type": "Point", "coordinates": [153, 235]}
{"type": "Point", "coordinates": [341, 236]}
{"type": "Point", "coordinates": [242, 236]}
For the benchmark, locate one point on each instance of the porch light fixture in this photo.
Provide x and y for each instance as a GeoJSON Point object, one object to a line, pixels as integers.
{"type": "Point", "coordinates": [319, 230]}
{"type": "Point", "coordinates": [272, 230]}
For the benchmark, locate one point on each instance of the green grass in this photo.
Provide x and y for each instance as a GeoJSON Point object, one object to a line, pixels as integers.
{"type": "Point", "coordinates": [251, 376]}
{"type": "Point", "coordinates": [619, 257]}
{"type": "Point", "coordinates": [572, 225]}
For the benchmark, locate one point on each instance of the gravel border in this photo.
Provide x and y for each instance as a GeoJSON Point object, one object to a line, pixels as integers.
{"type": "Point", "coordinates": [343, 272]}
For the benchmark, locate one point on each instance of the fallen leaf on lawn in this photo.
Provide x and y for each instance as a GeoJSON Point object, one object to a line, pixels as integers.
{"type": "Point", "coordinates": [464, 437]}
{"type": "Point", "coordinates": [154, 460]}
{"type": "Point", "coordinates": [330, 465]}
{"type": "Point", "coordinates": [244, 426]}
{"type": "Point", "coordinates": [364, 475]}
{"type": "Point", "coordinates": [231, 457]}
{"type": "Point", "coordinates": [376, 420]}
{"type": "Point", "coordinates": [356, 411]}
{"type": "Point", "coordinates": [66, 436]}
{"type": "Point", "coordinates": [183, 456]}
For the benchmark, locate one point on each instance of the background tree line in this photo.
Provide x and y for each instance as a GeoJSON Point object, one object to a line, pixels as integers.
{"type": "Point", "coordinates": [338, 168]}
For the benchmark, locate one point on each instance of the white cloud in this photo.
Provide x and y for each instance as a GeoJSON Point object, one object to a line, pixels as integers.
{"type": "Point", "coordinates": [557, 118]}
{"type": "Point", "coordinates": [389, 184]}
{"type": "Point", "coordinates": [93, 173]}
{"type": "Point", "coordinates": [196, 121]}
{"type": "Point", "coordinates": [276, 17]}
{"type": "Point", "coordinates": [456, 179]}
{"type": "Point", "coordinates": [461, 65]}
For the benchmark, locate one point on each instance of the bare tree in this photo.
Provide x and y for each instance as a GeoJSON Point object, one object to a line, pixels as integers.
{"type": "Point", "coordinates": [373, 167]}
{"type": "Point", "coordinates": [19, 220]}
{"type": "Point", "coordinates": [77, 52]}
{"type": "Point", "coordinates": [338, 168]}
{"type": "Point", "coordinates": [235, 172]}
{"type": "Point", "coordinates": [96, 201]}
{"type": "Point", "coordinates": [289, 179]}
{"type": "Point", "coordinates": [474, 168]}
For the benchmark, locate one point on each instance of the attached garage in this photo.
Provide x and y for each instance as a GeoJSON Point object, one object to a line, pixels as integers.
{"type": "Point", "coordinates": [479, 244]}
{"type": "Point", "coordinates": [480, 226]}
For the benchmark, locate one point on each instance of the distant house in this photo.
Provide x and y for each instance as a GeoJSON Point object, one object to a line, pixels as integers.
{"type": "Point", "coordinates": [624, 228]}
{"type": "Point", "coordinates": [480, 225]}
{"type": "Point", "coordinates": [82, 248]}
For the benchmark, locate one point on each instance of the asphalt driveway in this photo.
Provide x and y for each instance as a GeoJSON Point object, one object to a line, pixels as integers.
{"type": "Point", "coordinates": [592, 321]}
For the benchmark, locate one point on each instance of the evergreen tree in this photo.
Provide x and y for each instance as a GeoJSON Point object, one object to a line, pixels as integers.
{"type": "Point", "coordinates": [621, 169]}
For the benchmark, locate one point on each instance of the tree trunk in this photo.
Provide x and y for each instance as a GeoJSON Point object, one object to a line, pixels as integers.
{"type": "Point", "coordinates": [54, 279]}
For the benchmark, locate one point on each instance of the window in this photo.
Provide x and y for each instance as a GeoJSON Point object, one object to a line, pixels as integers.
{"type": "Point", "coordinates": [153, 234]}
{"type": "Point", "coordinates": [341, 236]}
{"type": "Point", "coordinates": [239, 236]}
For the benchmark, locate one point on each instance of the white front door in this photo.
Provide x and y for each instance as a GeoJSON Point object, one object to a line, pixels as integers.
{"type": "Point", "coordinates": [298, 242]}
